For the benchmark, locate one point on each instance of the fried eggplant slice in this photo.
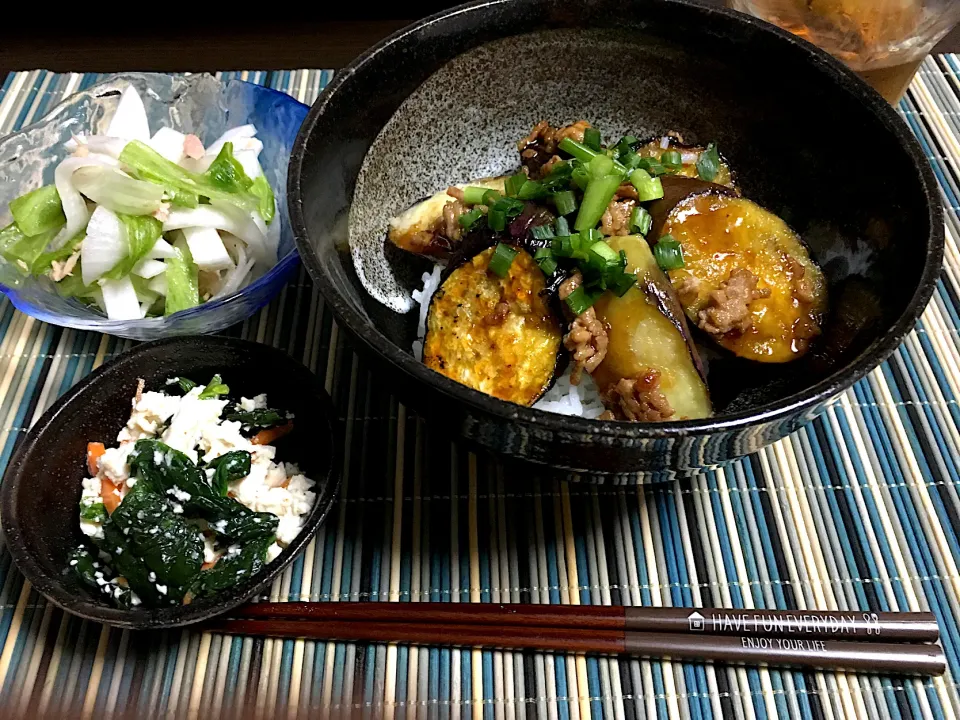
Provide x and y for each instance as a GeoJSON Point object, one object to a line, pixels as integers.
{"type": "Point", "coordinates": [748, 280]}
{"type": "Point", "coordinates": [422, 229]}
{"type": "Point", "coordinates": [497, 335]}
{"type": "Point", "coordinates": [649, 343]}
{"type": "Point", "coordinates": [689, 155]}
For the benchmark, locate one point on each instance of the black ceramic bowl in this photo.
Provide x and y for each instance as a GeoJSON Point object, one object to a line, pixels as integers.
{"type": "Point", "coordinates": [444, 101]}
{"type": "Point", "coordinates": [41, 488]}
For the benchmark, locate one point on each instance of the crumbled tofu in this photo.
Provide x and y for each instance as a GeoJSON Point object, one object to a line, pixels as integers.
{"type": "Point", "coordinates": [290, 504]}
{"type": "Point", "coordinates": [258, 402]}
{"type": "Point", "coordinates": [181, 495]}
{"type": "Point", "coordinates": [90, 492]}
{"type": "Point", "coordinates": [273, 552]}
{"type": "Point", "coordinates": [113, 463]}
{"type": "Point", "coordinates": [191, 417]}
{"type": "Point", "coordinates": [149, 414]}
{"type": "Point", "coordinates": [218, 439]}
{"type": "Point", "coordinates": [91, 529]}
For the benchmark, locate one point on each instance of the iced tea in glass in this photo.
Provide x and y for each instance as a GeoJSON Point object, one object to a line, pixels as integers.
{"type": "Point", "coordinates": [883, 40]}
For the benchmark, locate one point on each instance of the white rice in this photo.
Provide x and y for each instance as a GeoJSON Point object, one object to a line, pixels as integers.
{"type": "Point", "coordinates": [562, 398]}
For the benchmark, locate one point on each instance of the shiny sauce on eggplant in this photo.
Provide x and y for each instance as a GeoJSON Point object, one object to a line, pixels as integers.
{"type": "Point", "coordinates": [720, 234]}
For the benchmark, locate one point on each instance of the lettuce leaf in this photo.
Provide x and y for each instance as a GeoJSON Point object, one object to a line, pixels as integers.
{"type": "Point", "coordinates": [72, 286]}
{"type": "Point", "coordinates": [38, 211]}
{"type": "Point", "coordinates": [184, 187]}
{"type": "Point", "coordinates": [183, 288]}
{"type": "Point", "coordinates": [267, 202]}
{"type": "Point", "coordinates": [26, 252]}
{"type": "Point", "coordinates": [45, 260]}
{"type": "Point", "coordinates": [227, 173]}
{"type": "Point", "coordinates": [117, 191]}
{"type": "Point", "coordinates": [142, 233]}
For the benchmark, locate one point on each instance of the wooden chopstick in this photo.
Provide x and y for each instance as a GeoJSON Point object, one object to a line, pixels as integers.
{"type": "Point", "coordinates": [808, 624]}
{"type": "Point", "coordinates": [905, 658]}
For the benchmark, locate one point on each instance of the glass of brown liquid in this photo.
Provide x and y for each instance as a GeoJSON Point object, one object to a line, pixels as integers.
{"type": "Point", "coordinates": [883, 40]}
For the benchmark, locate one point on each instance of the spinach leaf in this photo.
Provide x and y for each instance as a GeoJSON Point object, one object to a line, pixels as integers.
{"type": "Point", "coordinates": [126, 563]}
{"type": "Point", "coordinates": [259, 418]}
{"type": "Point", "coordinates": [234, 567]}
{"type": "Point", "coordinates": [214, 388]}
{"type": "Point", "coordinates": [161, 538]}
{"type": "Point", "coordinates": [246, 525]}
{"type": "Point", "coordinates": [98, 576]}
{"type": "Point", "coordinates": [83, 564]}
{"type": "Point", "coordinates": [166, 470]}
{"type": "Point", "coordinates": [229, 467]}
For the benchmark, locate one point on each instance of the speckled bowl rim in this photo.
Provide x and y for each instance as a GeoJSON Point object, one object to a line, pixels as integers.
{"type": "Point", "coordinates": [832, 70]}
{"type": "Point", "coordinates": [159, 618]}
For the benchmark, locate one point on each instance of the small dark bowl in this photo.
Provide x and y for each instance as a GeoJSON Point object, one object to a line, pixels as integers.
{"type": "Point", "coordinates": [444, 101]}
{"type": "Point", "coordinates": [41, 488]}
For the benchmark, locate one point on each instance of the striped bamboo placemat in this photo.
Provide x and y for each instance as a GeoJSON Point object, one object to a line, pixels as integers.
{"type": "Point", "coordinates": [860, 509]}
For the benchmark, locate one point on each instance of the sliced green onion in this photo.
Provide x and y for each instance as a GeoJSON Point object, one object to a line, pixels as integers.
{"type": "Point", "coordinates": [596, 198]}
{"type": "Point", "coordinates": [581, 300]}
{"type": "Point", "coordinates": [630, 160]}
{"type": "Point", "coordinates": [598, 167]}
{"type": "Point", "coordinates": [497, 219]}
{"type": "Point", "coordinates": [542, 232]}
{"type": "Point", "coordinates": [668, 253]}
{"type": "Point", "coordinates": [490, 197]}
{"type": "Point", "coordinates": [469, 219]}
{"type": "Point", "coordinates": [565, 245]}
{"type": "Point", "coordinates": [473, 195]}
{"type": "Point", "coordinates": [561, 226]}
{"type": "Point", "coordinates": [546, 261]}
{"type": "Point", "coordinates": [591, 236]}
{"type": "Point", "coordinates": [514, 183]}
{"type": "Point", "coordinates": [641, 220]}
{"type": "Point", "coordinates": [582, 153]}
{"type": "Point", "coordinates": [648, 188]}
{"type": "Point", "coordinates": [708, 164]}
{"type": "Point", "coordinates": [592, 139]}
{"type": "Point", "coordinates": [626, 145]}
{"type": "Point", "coordinates": [530, 190]}
{"type": "Point", "coordinates": [502, 259]}
{"type": "Point", "coordinates": [600, 256]}
{"type": "Point", "coordinates": [623, 284]}
{"type": "Point", "coordinates": [580, 176]}
{"type": "Point", "coordinates": [565, 201]}
{"type": "Point", "coordinates": [653, 167]}
{"type": "Point", "coordinates": [672, 159]}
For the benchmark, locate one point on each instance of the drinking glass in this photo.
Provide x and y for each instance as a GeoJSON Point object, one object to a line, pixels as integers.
{"type": "Point", "coordinates": [883, 40]}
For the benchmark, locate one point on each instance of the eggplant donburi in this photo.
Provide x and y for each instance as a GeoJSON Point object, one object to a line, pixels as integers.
{"type": "Point", "coordinates": [583, 283]}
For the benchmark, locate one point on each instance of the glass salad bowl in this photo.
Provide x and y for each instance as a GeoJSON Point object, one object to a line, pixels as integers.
{"type": "Point", "coordinates": [197, 104]}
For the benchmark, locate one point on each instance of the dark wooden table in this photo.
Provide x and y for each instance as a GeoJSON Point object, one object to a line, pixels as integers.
{"type": "Point", "coordinates": [223, 44]}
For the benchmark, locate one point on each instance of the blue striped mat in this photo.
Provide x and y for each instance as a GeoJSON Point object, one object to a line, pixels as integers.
{"type": "Point", "coordinates": [860, 509]}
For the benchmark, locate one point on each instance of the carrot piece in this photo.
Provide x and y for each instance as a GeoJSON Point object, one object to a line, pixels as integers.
{"type": "Point", "coordinates": [94, 451]}
{"type": "Point", "coordinates": [269, 435]}
{"type": "Point", "coordinates": [110, 494]}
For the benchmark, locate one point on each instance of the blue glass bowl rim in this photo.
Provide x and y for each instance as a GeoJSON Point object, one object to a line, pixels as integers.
{"type": "Point", "coordinates": [277, 272]}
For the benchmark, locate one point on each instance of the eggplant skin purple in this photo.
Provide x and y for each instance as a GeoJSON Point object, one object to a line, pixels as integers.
{"type": "Point", "coordinates": [498, 335]}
